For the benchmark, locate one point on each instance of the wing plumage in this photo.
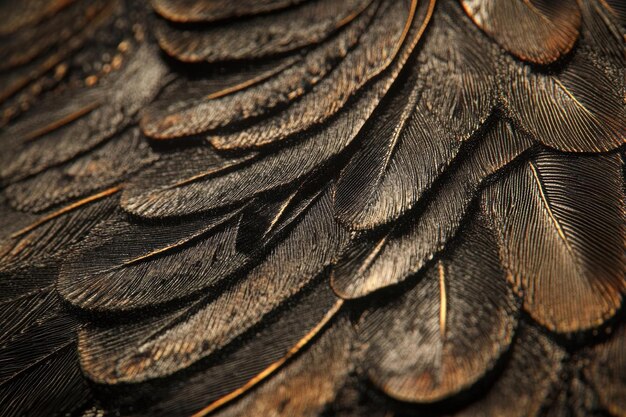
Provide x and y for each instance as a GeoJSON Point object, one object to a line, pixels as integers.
{"type": "Point", "coordinates": [312, 208]}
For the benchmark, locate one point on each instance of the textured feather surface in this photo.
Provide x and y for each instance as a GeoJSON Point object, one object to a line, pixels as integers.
{"type": "Point", "coordinates": [22, 313]}
{"type": "Point", "coordinates": [54, 387]}
{"type": "Point", "coordinates": [13, 83]}
{"type": "Point", "coordinates": [618, 10]}
{"type": "Point", "coordinates": [180, 173]}
{"type": "Point", "coordinates": [376, 50]}
{"type": "Point", "coordinates": [136, 85]}
{"type": "Point", "coordinates": [261, 36]}
{"type": "Point", "coordinates": [201, 11]}
{"type": "Point", "coordinates": [207, 113]}
{"type": "Point", "coordinates": [244, 366]}
{"type": "Point", "coordinates": [316, 141]}
{"type": "Point", "coordinates": [581, 109]}
{"type": "Point", "coordinates": [539, 31]}
{"type": "Point", "coordinates": [307, 385]}
{"type": "Point", "coordinates": [560, 220]}
{"type": "Point", "coordinates": [49, 115]}
{"type": "Point", "coordinates": [46, 333]}
{"type": "Point", "coordinates": [217, 82]}
{"type": "Point", "coordinates": [278, 168]}
{"type": "Point", "coordinates": [419, 132]}
{"type": "Point", "coordinates": [402, 249]}
{"type": "Point", "coordinates": [50, 236]}
{"type": "Point", "coordinates": [291, 266]}
{"type": "Point", "coordinates": [39, 373]}
{"type": "Point", "coordinates": [607, 370]}
{"type": "Point", "coordinates": [444, 334]}
{"type": "Point", "coordinates": [99, 169]}
{"type": "Point", "coordinates": [266, 219]}
{"type": "Point", "coordinates": [123, 265]}
{"type": "Point", "coordinates": [518, 392]}
{"type": "Point", "coordinates": [397, 161]}
{"type": "Point", "coordinates": [601, 39]}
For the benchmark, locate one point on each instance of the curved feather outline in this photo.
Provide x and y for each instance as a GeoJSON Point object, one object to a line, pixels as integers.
{"type": "Point", "coordinates": [539, 31]}
{"type": "Point", "coordinates": [560, 222]}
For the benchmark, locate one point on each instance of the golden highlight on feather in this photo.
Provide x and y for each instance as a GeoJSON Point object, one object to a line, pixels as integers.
{"type": "Point", "coordinates": [274, 366]}
{"type": "Point", "coordinates": [73, 206]}
{"type": "Point", "coordinates": [443, 307]}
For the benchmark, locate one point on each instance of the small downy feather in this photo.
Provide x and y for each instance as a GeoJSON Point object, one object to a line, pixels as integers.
{"type": "Point", "coordinates": [200, 114]}
{"type": "Point", "coordinates": [403, 249]}
{"type": "Point", "coordinates": [125, 154]}
{"type": "Point", "coordinates": [275, 169]}
{"type": "Point", "coordinates": [261, 36]}
{"type": "Point", "coordinates": [125, 265]}
{"type": "Point", "coordinates": [443, 335]}
{"type": "Point", "coordinates": [560, 221]}
{"type": "Point", "coordinates": [153, 352]}
{"type": "Point", "coordinates": [529, 376]}
{"type": "Point", "coordinates": [375, 51]}
{"type": "Point", "coordinates": [578, 109]}
{"type": "Point", "coordinates": [119, 101]}
{"type": "Point", "coordinates": [538, 31]}
{"type": "Point", "coordinates": [607, 369]}
{"type": "Point", "coordinates": [186, 11]}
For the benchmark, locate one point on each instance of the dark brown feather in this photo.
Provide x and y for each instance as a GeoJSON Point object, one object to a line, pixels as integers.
{"type": "Point", "coordinates": [261, 36]}
{"type": "Point", "coordinates": [119, 101]}
{"type": "Point", "coordinates": [528, 378]}
{"type": "Point", "coordinates": [123, 265]}
{"type": "Point", "coordinates": [201, 11]}
{"type": "Point", "coordinates": [560, 221]}
{"type": "Point", "coordinates": [607, 369]}
{"type": "Point", "coordinates": [443, 335]}
{"type": "Point", "coordinates": [307, 385]}
{"type": "Point", "coordinates": [250, 362]}
{"type": "Point", "coordinates": [377, 48]}
{"type": "Point", "coordinates": [196, 115]}
{"type": "Point", "coordinates": [292, 265]}
{"type": "Point", "coordinates": [576, 110]}
{"type": "Point", "coordinates": [419, 131]}
{"type": "Point", "coordinates": [539, 31]}
{"type": "Point", "coordinates": [103, 167]}
{"type": "Point", "coordinates": [405, 247]}
{"type": "Point", "coordinates": [278, 168]}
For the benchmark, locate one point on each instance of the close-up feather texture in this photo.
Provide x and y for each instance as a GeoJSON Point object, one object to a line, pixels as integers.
{"type": "Point", "coordinates": [315, 208]}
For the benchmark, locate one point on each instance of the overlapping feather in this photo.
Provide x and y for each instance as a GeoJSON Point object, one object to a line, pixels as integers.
{"type": "Point", "coordinates": [213, 277]}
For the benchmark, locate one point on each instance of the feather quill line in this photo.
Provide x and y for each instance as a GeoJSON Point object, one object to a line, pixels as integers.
{"type": "Point", "coordinates": [67, 209]}
{"type": "Point", "coordinates": [443, 307]}
{"type": "Point", "coordinates": [252, 81]}
{"type": "Point", "coordinates": [274, 366]}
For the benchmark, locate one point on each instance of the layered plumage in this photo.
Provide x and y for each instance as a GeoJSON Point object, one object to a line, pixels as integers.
{"type": "Point", "coordinates": [312, 208]}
